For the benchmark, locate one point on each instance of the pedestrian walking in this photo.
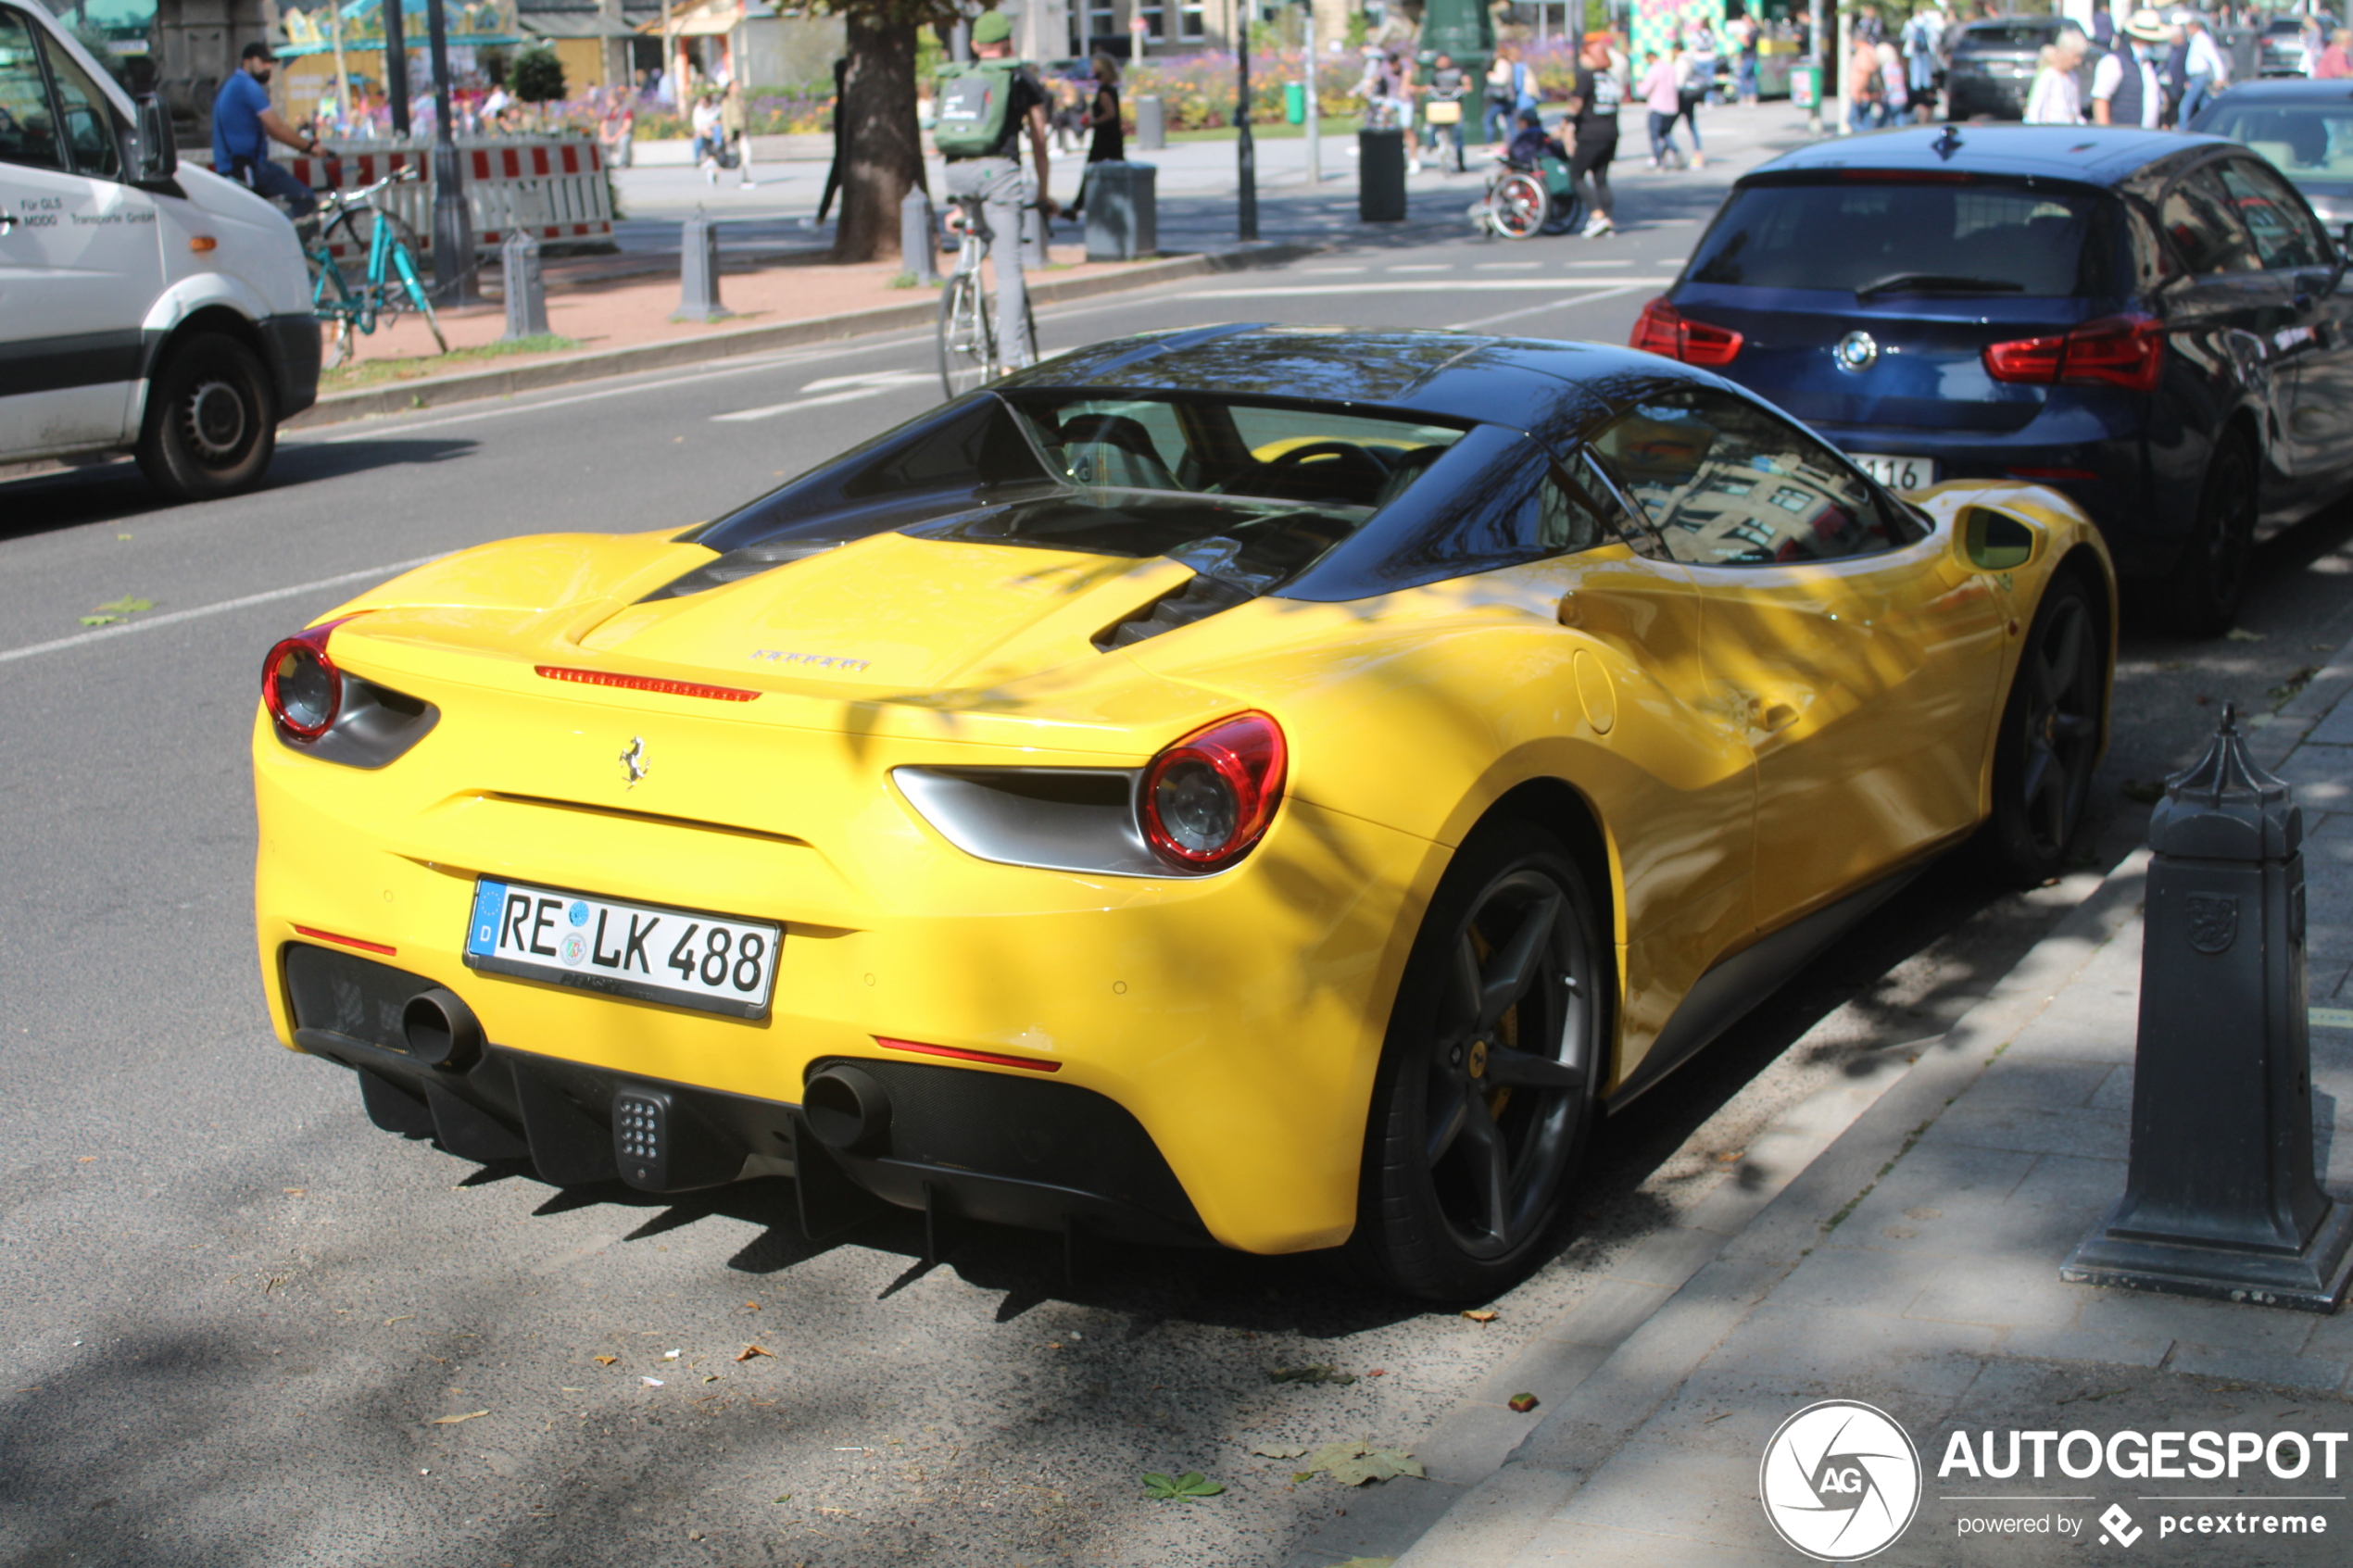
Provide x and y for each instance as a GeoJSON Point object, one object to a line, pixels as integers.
{"type": "Point", "coordinates": [1503, 96]}
{"type": "Point", "coordinates": [2204, 69]}
{"type": "Point", "coordinates": [1923, 39]}
{"type": "Point", "coordinates": [705, 122]}
{"type": "Point", "coordinates": [2336, 60]}
{"type": "Point", "coordinates": [1895, 97]}
{"type": "Point", "coordinates": [986, 108]}
{"type": "Point", "coordinates": [1866, 94]}
{"type": "Point", "coordinates": [1666, 106]}
{"type": "Point", "coordinates": [1746, 34]}
{"type": "Point", "coordinates": [2126, 86]}
{"type": "Point", "coordinates": [2056, 98]}
{"type": "Point", "coordinates": [1109, 141]}
{"type": "Point", "coordinates": [1691, 91]}
{"type": "Point", "coordinates": [1408, 77]}
{"type": "Point", "coordinates": [1442, 106]}
{"type": "Point", "coordinates": [1593, 101]}
{"type": "Point", "coordinates": [735, 127]}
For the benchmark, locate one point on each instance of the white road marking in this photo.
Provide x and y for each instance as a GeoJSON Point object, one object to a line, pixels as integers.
{"type": "Point", "coordinates": [124, 628]}
{"type": "Point", "coordinates": [772, 409]}
{"type": "Point", "coordinates": [1435, 286]}
{"type": "Point", "coordinates": [1326, 271]}
{"type": "Point", "coordinates": [869, 378]}
{"type": "Point", "coordinates": [1548, 305]}
{"type": "Point", "coordinates": [1527, 266]}
{"type": "Point", "coordinates": [1421, 267]}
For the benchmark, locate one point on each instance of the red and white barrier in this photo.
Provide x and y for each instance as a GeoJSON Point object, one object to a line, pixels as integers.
{"type": "Point", "coordinates": [553, 188]}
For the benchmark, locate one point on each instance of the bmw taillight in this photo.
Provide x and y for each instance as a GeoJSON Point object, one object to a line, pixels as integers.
{"type": "Point", "coordinates": [300, 686]}
{"type": "Point", "coordinates": [1665, 330]}
{"type": "Point", "coordinates": [1209, 797]}
{"type": "Point", "coordinates": [2126, 351]}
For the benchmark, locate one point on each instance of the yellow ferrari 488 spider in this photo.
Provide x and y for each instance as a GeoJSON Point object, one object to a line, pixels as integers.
{"type": "Point", "coordinates": [1255, 786]}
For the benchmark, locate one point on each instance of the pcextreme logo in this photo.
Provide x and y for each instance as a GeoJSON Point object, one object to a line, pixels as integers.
{"type": "Point", "coordinates": [1840, 1481]}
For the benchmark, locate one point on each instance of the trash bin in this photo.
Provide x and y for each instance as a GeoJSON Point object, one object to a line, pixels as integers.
{"type": "Point", "coordinates": [1380, 175]}
{"type": "Point", "coordinates": [1152, 123]}
{"type": "Point", "coordinates": [1123, 220]}
{"type": "Point", "coordinates": [1295, 103]}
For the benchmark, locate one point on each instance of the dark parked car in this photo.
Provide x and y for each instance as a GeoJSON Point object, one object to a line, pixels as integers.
{"type": "Point", "coordinates": [2305, 128]}
{"type": "Point", "coordinates": [2152, 323]}
{"type": "Point", "coordinates": [1994, 65]}
{"type": "Point", "coordinates": [2281, 51]}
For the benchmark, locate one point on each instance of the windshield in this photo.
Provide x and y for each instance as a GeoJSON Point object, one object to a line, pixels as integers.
{"type": "Point", "coordinates": [1890, 235]}
{"type": "Point", "coordinates": [2302, 141]}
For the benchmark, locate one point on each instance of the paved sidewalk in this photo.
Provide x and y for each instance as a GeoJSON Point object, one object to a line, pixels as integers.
{"type": "Point", "coordinates": [1913, 1264]}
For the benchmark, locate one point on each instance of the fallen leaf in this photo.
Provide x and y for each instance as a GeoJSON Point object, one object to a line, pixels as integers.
{"type": "Point", "coordinates": [567, 1388]}
{"type": "Point", "coordinates": [604, 1361]}
{"type": "Point", "coordinates": [1356, 1463]}
{"type": "Point", "coordinates": [1370, 1563]}
{"type": "Point", "coordinates": [751, 1350]}
{"type": "Point", "coordinates": [2235, 635]}
{"type": "Point", "coordinates": [1522, 1403]}
{"type": "Point", "coordinates": [454, 1420]}
{"type": "Point", "coordinates": [1321, 1371]}
{"type": "Point", "coordinates": [711, 1377]}
{"type": "Point", "coordinates": [294, 1192]}
{"type": "Point", "coordinates": [1481, 1314]}
{"type": "Point", "coordinates": [84, 1159]}
{"type": "Point", "coordinates": [1377, 1372]}
{"type": "Point", "coordinates": [753, 1307]}
{"type": "Point", "coordinates": [786, 1498]}
{"type": "Point", "coordinates": [650, 1382]}
{"type": "Point", "coordinates": [97, 620]}
{"type": "Point", "coordinates": [1276, 1450]}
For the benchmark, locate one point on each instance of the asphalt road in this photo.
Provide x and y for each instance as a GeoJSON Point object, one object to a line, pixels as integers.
{"type": "Point", "coordinates": [238, 1326]}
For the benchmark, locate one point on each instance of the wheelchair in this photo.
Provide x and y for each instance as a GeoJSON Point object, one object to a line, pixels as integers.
{"type": "Point", "coordinates": [1524, 200]}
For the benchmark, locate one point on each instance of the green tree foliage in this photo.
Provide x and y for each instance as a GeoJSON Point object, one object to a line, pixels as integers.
{"type": "Point", "coordinates": [538, 77]}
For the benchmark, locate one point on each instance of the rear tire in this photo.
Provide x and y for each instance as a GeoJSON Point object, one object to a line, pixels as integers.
{"type": "Point", "coordinates": [1485, 1101]}
{"type": "Point", "coordinates": [2050, 738]}
{"type": "Point", "coordinates": [2202, 596]}
{"type": "Point", "coordinates": [211, 423]}
{"type": "Point", "coordinates": [405, 288]}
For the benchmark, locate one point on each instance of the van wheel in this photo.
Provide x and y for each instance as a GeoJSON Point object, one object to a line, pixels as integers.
{"type": "Point", "coordinates": [2201, 598]}
{"type": "Point", "coordinates": [211, 424]}
{"type": "Point", "coordinates": [1485, 1099]}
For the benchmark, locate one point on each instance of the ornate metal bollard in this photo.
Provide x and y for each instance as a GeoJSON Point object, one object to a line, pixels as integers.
{"type": "Point", "coordinates": [526, 291]}
{"type": "Point", "coordinates": [919, 235]}
{"type": "Point", "coordinates": [2221, 1199]}
{"type": "Point", "coordinates": [698, 271]}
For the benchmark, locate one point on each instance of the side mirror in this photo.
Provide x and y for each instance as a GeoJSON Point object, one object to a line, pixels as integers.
{"type": "Point", "coordinates": [1993, 540]}
{"type": "Point", "coordinates": [155, 150]}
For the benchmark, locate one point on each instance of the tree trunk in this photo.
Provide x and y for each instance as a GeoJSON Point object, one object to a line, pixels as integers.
{"type": "Point", "coordinates": [883, 154]}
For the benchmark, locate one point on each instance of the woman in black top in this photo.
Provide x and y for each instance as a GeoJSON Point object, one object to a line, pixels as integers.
{"type": "Point", "coordinates": [1110, 145]}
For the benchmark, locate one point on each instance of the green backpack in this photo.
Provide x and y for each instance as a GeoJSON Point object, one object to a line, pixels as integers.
{"type": "Point", "coordinates": [973, 98]}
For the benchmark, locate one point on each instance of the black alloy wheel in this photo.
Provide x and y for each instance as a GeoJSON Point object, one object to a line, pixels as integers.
{"type": "Point", "coordinates": [1486, 1096]}
{"type": "Point", "coordinates": [2050, 735]}
{"type": "Point", "coordinates": [211, 420]}
{"type": "Point", "coordinates": [2201, 598]}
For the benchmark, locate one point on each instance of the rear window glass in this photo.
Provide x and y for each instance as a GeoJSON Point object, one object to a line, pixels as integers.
{"type": "Point", "coordinates": [2300, 140]}
{"type": "Point", "coordinates": [1906, 238]}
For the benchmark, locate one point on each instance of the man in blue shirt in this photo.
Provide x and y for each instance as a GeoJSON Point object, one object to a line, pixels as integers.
{"type": "Point", "coordinates": [243, 126]}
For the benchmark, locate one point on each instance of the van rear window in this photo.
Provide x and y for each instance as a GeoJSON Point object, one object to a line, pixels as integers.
{"type": "Point", "coordinates": [1865, 233]}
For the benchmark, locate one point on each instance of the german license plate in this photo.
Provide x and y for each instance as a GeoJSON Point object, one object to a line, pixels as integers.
{"type": "Point", "coordinates": [714, 963]}
{"type": "Point", "coordinates": [1897, 473]}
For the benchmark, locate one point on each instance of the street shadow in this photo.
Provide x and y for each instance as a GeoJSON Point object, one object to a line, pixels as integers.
{"type": "Point", "coordinates": [116, 492]}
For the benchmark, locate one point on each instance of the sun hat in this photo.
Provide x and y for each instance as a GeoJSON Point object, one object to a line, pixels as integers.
{"type": "Point", "coordinates": [2148, 27]}
{"type": "Point", "coordinates": [993, 27]}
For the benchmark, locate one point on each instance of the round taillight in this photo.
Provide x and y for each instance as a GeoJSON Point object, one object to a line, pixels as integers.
{"type": "Point", "coordinates": [1209, 797]}
{"type": "Point", "coordinates": [301, 687]}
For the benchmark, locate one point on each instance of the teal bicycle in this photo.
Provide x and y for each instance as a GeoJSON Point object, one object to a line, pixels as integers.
{"type": "Point", "coordinates": [384, 284]}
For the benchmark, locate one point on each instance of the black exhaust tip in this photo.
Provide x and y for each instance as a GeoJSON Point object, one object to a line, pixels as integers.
{"type": "Point", "coordinates": [441, 1030]}
{"type": "Point", "coordinates": [848, 1109]}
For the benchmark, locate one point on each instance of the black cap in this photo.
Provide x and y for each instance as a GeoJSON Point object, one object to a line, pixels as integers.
{"type": "Point", "coordinates": [254, 52]}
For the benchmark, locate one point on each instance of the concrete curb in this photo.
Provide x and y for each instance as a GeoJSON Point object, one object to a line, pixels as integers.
{"type": "Point", "coordinates": [432, 392]}
{"type": "Point", "coordinates": [1685, 1290]}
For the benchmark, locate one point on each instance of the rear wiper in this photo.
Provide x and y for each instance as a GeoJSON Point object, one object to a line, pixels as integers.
{"type": "Point", "coordinates": [1936, 282]}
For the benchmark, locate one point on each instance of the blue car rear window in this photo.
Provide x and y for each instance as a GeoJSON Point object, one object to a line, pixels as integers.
{"type": "Point", "coordinates": [1862, 231]}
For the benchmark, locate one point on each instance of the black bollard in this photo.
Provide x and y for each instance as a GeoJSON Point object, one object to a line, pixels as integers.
{"type": "Point", "coordinates": [698, 271]}
{"type": "Point", "coordinates": [2221, 1199]}
{"type": "Point", "coordinates": [526, 291]}
{"type": "Point", "coordinates": [919, 235]}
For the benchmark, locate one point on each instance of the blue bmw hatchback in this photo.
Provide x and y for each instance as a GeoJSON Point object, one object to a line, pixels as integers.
{"type": "Point", "coordinates": [2154, 324]}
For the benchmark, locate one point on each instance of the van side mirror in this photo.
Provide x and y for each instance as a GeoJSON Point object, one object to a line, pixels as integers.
{"type": "Point", "coordinates": [155, 150]}
{"type": "Point", "coordinates": [1993, 540]}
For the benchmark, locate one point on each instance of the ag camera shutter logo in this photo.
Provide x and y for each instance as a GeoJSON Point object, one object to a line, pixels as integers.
{"type": "Point", "coordinates": [1840, 1481]}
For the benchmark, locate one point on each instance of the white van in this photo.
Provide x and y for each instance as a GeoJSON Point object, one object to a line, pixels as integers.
{"type": "Point", "coordinates": [144, 306]}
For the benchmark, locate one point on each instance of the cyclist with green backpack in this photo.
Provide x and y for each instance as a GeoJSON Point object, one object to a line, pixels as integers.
{"type": "Point", "coordinates": [985, 106]}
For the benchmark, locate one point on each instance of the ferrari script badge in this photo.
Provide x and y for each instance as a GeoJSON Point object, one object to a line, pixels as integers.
{"type": "Point", "coordinates": [635, 760]}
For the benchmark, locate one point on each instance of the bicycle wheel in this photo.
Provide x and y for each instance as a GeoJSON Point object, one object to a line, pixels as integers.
{"type": "Point", "coordinates": [331, 295]}
{"type": "Point", "coordinates": [967, 336]}
{"type": "Point", "coordinates": [403, 288]}
{"type": "Point", "coordinates": [1517, 205]}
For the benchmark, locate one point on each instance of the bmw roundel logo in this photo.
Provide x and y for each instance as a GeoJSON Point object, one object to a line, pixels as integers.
{"type": "Point", "coordinates": [1856, 351]}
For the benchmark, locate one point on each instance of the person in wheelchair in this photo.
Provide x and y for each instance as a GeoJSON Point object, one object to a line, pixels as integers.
{"type": "Point", "coordinates": [1531, 145]}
